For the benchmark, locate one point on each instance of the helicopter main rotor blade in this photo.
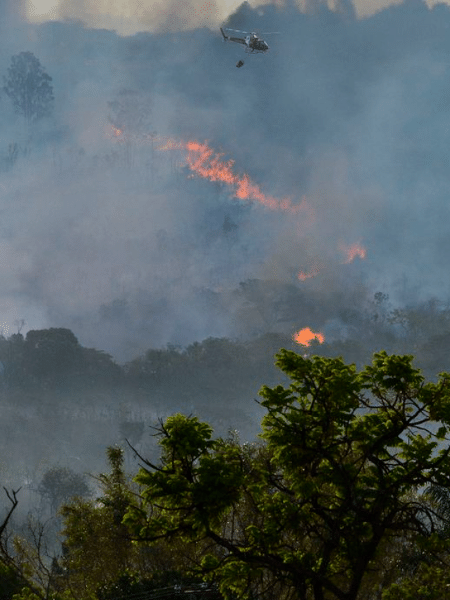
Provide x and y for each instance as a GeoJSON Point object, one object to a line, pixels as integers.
{"type": "Point", "coordinates": [237, 30]}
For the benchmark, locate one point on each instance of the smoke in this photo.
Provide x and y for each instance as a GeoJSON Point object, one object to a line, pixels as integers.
{"type": "Point", "coordinates": [134, 15]}
{"type": "Point", "coordinates": [336, 184]}
{"type": "Point", "coordinates": [112, 232]}
{"type": "Point", "coordinates": [11, 9]}
{"type": "Point", "coordinates": [128, 17]}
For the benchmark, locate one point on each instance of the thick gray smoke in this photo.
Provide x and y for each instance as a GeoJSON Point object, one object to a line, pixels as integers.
{"type": "Point", "coordinates": [109, 234]}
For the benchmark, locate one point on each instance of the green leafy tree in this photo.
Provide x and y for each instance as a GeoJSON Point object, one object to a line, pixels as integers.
{"type": "Point", "coordinates": [167, 584]}
{"type": "Point", "coordinates": [424, 571]}
{"type": "Point", "coordinates": [308, 512]}
{"type": "Point", "coordinates": [100, 559]}
{"type": "Point", "coordinates": [11, 582]}
{"type": "Point", "coordinates": [96, 544]}
{"type": "Point", "coordinates": [428, 582]}
{"type": "Point", "coordinates": [28, 87]}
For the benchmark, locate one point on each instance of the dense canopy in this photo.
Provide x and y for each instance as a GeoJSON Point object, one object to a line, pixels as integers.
{"type": "Point", "coordinates": [336, 478]}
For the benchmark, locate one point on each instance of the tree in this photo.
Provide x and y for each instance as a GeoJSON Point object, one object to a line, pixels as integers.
{"type": "Point", "coordinates": [13, 574]}
{"type": "Point", "coordinates": [13, 359]}
{"type": "Point", "coordinates": [52, 355]}
{"type": "Point", "coordinates": [424, 570]}
{"type": "Point", "coordinates": [28, 87]}
{"type": "Point", "coordinates": [96, 547]}
{"type": "Point", "coordinates": [35, 546]}
{"type": "Point", "coordinates": [61, 484]}
{"type": "Point", "coordinates": [96, 368]}
{"type": "Point", "coordinates": [10, 582]}
{"type": "Point", "coordinates": [307, 512]}
{"type": "Point", "coordinates": [428, 582]}
{"type": "Point", "coordinates": [100, 559]}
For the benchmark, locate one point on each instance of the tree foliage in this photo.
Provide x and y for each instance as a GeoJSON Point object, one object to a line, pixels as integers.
{"type": "Point", "coordinates": [50, 354]}
{"type": "Point", "coordinates": [13, 572]}
{"type": "Point", "coordinates": [54, 359]}
{"type": "Point", "coordinates": [28, 87]}
{"type": "Point", "coordinates": [100, 560]}
{"type": "Point", "coordinates": [10, 582]}
{"type": "Point", "coordinates": [60, 484]}
{"type": "Point", "coordinates": [94, 534]}
{"type": "Point", "coordinates": [305, 513]}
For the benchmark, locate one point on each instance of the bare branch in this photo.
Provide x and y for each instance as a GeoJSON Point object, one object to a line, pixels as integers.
{"type": "Point", "coordinates": [12, 497]}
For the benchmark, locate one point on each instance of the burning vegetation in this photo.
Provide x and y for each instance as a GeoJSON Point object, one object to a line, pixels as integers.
{"type": "Point", "coordinates": [305, 336]}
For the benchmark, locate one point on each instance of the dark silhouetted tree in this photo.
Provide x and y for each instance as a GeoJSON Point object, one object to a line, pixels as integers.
{"type": "Point", "coordinates": [28, 87]}
{"type": "Point", "coordinates": [51, 355]}
{"type": "Point", "coordinates": [60, 484]}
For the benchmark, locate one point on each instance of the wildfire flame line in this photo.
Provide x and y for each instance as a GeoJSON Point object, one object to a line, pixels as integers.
{"type": "Point", "coordinates": [205, 162]}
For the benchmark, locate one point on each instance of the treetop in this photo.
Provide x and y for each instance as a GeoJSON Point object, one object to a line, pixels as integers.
{"type": "Point", "coordinates": [338, 472]}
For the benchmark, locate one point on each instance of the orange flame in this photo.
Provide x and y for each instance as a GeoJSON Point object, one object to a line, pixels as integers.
{"type": "Point", "coordinates": [206, 163]}
{"type": "Point", "coordinates": [113, 132]}
{"type": "Point", "coordinates": [353, 251]}
{"type": "Point", "coordinates": [305, 337]}
{"type": "Point", "coordinates": [308, 274]}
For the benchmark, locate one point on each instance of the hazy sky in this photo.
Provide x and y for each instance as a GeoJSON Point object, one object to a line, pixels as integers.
{"type": "Point", "coordinates": [129, 16]}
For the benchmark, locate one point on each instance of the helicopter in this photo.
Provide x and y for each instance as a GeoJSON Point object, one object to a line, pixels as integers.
{"type": "Point", "coordinates": [252, 42]}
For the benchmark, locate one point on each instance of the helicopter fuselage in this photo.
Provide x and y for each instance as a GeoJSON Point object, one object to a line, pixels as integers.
{"type": "Point", "coordinates": [255, 44]}
{"type": "Point", "coordinates": [252, 42]}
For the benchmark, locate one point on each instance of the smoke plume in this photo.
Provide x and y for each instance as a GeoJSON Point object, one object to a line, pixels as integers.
{"type": "Point", "coordinates": [112, 227]}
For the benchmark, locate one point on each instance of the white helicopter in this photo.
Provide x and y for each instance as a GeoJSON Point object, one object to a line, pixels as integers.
{"type": "Point", "coordinates": [252, 42]}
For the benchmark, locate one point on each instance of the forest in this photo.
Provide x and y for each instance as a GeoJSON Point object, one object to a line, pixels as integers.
{"type": "Point", "coordinates": [92, 401]}
{"type": "Point", "coordinates": [344, 494]}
